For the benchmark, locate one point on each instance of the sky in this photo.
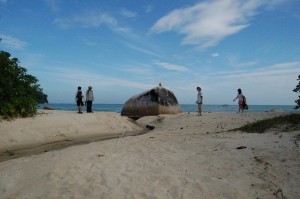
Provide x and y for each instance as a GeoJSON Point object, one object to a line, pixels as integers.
{"type": "Point", "coordinates": [125, 47]}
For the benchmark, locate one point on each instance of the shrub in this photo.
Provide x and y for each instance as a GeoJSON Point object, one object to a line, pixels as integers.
{"type": "Point", "coordinates": [297, 90]}
{"type": "Point", "coordinates": [284, 123]}
{"type": "Point", "coordinates": [18, 90]}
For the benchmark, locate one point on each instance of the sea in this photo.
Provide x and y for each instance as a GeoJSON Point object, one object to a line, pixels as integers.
{"type": "Point", "coordinates": [184, 107]}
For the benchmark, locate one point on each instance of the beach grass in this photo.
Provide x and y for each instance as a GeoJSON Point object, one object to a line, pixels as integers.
{"type": "Point", "coordinates": [286, 123]}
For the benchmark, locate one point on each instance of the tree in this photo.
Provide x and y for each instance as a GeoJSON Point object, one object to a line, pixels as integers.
{"type": "Point", "coordinates": [19, 91]}
{"type": "Point", "coordinates": [41, 98]}
{"type": "Point", "coordinates": [297, 90]}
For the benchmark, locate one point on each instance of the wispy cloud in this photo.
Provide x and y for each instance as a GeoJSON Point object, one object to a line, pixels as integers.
{"type": "Point", "coordinates": [215, 55]}
{"type": "Point", "coordinates": [89, 42]}
{"type": "Point", "coordinates": [247, 64]}
{"type": "Point", "coordinates": [266, 81]}
{"type": "Point", "coordinates": [173, 67]}
{"type": "Point", "coordinates": [32, 60]}
{"type": "Point", "coordinates": [266, 85]}
{"type": "Point", "coordinates": [11, 42]}
{"type": "Point", "coordinates": [148, 8]}
{"type": "Point", "coordinates": [91, 19]}
{"type": "Point", "coordinates": [140, 70]}
{"type": "Point", "coordinates": [274, 3]}
{"type": "Point", "coordinates": [86, 20]}
{"type": "Point", "coordinates": [207, 23]}
{"type": "Point", "coordinates": [264, 72]}
{"type": "Point", "coordinates": [146, 51]}
{"type": "Point", "coordinates": [71, 75]}
{"type": "Point", "coordinates": [53, 4]}
{"type": "Point", "coordinates": [234, 61]}
{"type": "Point", "coordinates": [126, 13]}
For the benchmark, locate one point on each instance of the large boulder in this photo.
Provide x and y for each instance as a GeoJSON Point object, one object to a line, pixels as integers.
{"type": "Point", "coordinates": [156, 101]}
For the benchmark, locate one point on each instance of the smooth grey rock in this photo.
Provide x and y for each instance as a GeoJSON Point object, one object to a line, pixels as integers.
{"type": "Point", "coordinates": [156, 101]}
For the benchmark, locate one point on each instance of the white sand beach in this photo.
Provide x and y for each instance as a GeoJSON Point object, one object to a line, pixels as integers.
{"type": "Point", "coordinates": [185, 156]}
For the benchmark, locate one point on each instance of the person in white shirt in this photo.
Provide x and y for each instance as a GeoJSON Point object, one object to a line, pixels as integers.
{"type": "Point", "coordinates": [89, 99]}
{"type": "Point", "coordinates": [199, 101]}
{"type": "Point", "coordinates": [242, 100]}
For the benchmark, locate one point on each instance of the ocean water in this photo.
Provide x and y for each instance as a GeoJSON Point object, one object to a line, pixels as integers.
{"type": "Point", "coordinates": [184, 107]}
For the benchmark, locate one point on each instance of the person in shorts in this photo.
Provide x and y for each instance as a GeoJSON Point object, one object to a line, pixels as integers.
{"type": "Point", "coordinates": [79, 99]}
{"type": "Point", "coordinates": [199, 101]}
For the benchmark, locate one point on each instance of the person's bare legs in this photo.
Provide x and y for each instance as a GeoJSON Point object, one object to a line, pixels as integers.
{"type": "Point", "coordinates": [240, 108]}
{"type": "Point", "coordinates": [199, 109]}
{"type": "Point", "coordinates": [79, 109]}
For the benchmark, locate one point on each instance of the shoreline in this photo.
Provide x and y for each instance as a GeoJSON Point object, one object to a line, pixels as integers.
{"type": "Point", "coordinates": [184, 107]}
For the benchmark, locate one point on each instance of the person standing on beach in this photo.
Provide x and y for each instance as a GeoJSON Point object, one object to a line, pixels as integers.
{"type": "Point", "coordinates": [89, 99]}
{"type": "Point", "coordinates": [79, 99]}
{"type": "Point", "coordinates": [199, 101]}
{"type": "Point", "coordinates": [242, 100]}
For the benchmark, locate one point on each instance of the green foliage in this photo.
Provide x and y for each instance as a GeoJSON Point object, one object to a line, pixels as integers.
{"type": "Point", "coordinates": [18, 90]}
{"type": "Point", "coordinates": [284, 123]}
{"type": "Point", "coordinates": [297, 90]}
{"type": "Point", "coordinates": [41, 97]}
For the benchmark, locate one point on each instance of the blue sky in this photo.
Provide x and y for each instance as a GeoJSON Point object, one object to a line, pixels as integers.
{"type": "Point", "coordinates": [124, 47]}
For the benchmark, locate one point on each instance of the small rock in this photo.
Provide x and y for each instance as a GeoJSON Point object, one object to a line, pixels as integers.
{"type": "Point", "coordinates": [241, 147]}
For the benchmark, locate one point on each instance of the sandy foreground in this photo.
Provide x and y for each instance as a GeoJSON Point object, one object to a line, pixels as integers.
{"type": "Point", "coordinates": [185, 156]}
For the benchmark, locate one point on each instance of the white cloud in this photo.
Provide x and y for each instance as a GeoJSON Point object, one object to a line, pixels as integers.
{"type": "Point", "coordinates": [207, 23]}
{"type": "Point", "coordinates": [91, 19]}
{"type": "Point", "coordinates": [32, 60]}
{"type": "Point", "coordinates": [142, 50]}
{"type": "Point", "coordinates": [290, 68]}
{"type": "Point", "coordinates": [53, 4]}
{"type": "Point", "coordinates": [174, 67]}
{"type": "Point", "coordinates": [267, 85]}
{"type": "Point", "coordinates": [60, 84]}
{"type": "Point", "coordinates": [140, 70]}
{"type": "Point", "coordinates": [247, 64]}
{"type": "Point", "coordinates": [274, 3]}
{"type": "Point", "coordinates": [268, 82]}
{"type": "Point", "coordinates": [234, 61]}
{"type": "Point", "coordinates": [126, 13]}
{"type": "Point", "coordinates": [71, 75]}
{"type": "Point", "coordinates": [89, 42]}
{"type": "Point", "coordinates": [215, 55]}
{"type": "Point", "coordinates": [148, 8]}
{"type": "Point", "coordinates": [13, 43]}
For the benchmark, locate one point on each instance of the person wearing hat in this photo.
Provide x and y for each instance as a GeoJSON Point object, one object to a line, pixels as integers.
{"type": "Point", "coordinates": [199, 101]}
{"type": "Point", "coordinates": [89, 99]}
